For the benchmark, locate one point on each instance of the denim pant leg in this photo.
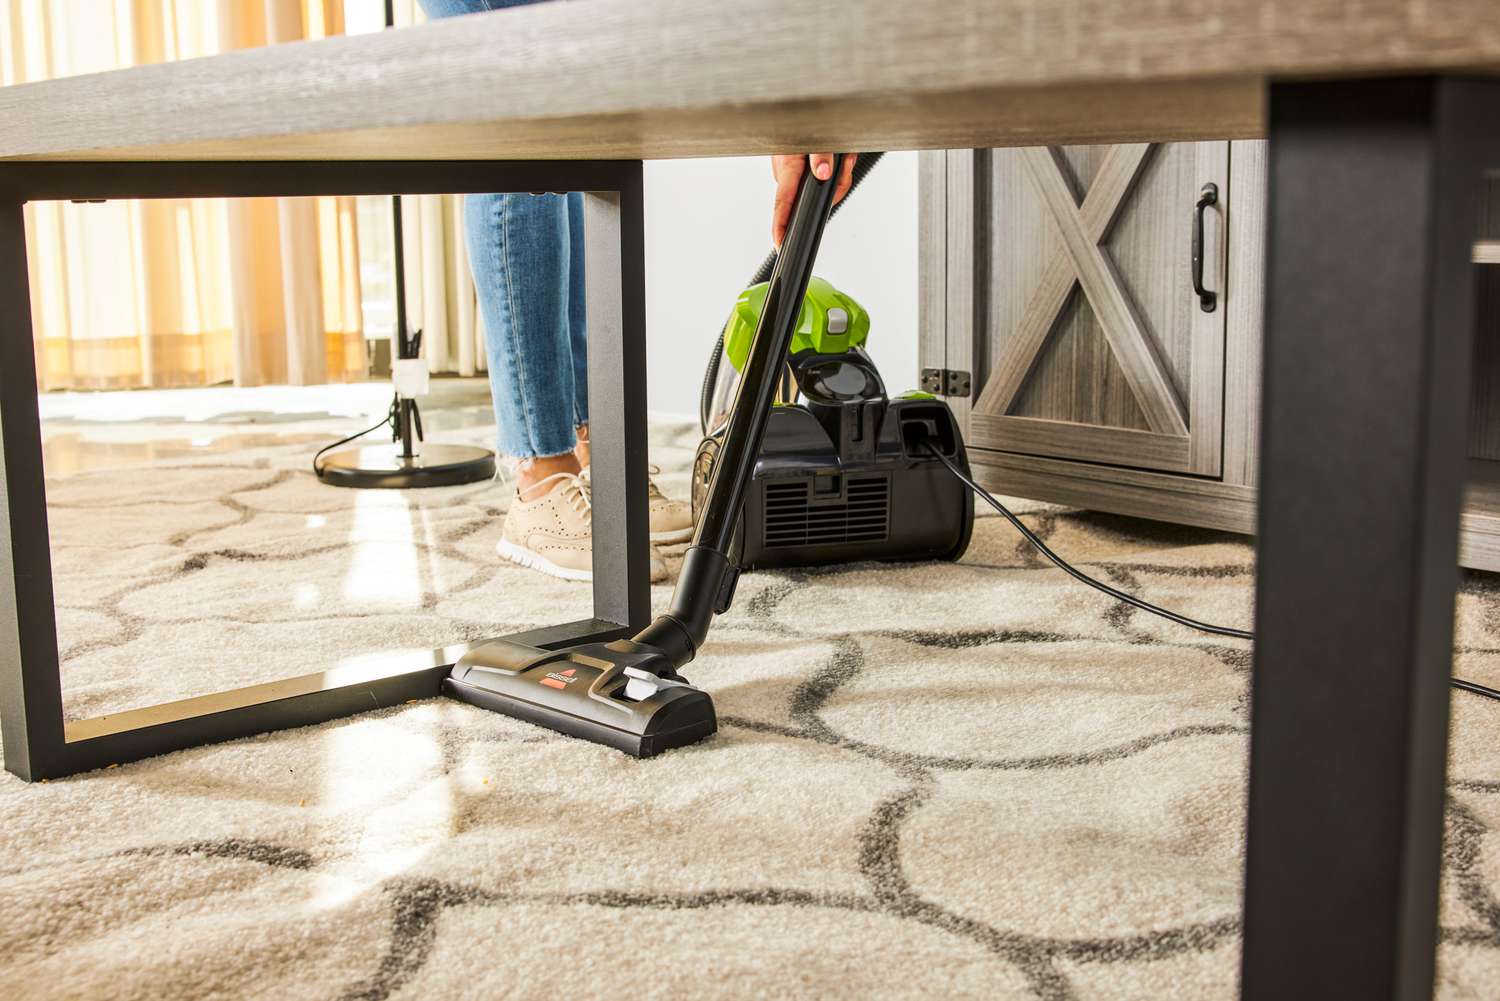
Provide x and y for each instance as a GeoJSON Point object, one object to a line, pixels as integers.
{"type": "Point", "coordinates": [519, 250]}
{"type": "Point", "coordinates": [452, 8]}
{"type": "Point", "coordinates": [526, 252]}
{"type": "Point", "coordinates": [577, 316]}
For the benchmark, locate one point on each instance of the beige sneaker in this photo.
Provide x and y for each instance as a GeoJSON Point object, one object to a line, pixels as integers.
{"type": "Point", "coordinates": [671, 520]}
{"type": "Point", "coordinates": [551, 529]}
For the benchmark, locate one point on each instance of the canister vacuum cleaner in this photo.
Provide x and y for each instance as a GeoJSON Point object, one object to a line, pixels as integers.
{"type": "Point", "coordinates": [805, 460]}
{"type": "Point", "coordinates": [844, 471]}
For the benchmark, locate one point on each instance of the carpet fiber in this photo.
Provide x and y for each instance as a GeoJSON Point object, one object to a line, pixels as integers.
{"type": "Point", "coordinates": [931, 781]}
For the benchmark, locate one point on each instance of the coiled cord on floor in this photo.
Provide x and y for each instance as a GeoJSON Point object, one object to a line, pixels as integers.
{"type": "Point", "coordinates": [389, 421]}
{"type": "Point", "coordinates": [1130, 599]}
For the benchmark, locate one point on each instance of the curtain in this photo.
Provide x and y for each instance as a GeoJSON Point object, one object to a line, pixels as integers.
{"type": "Point", "coordinates": [178, 292]}
{"type": "Point", "coordinates": [440, 298]}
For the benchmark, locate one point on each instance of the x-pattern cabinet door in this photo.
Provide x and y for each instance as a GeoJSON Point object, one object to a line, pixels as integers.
{"type": "Point", "coordinates": [1098, 348]}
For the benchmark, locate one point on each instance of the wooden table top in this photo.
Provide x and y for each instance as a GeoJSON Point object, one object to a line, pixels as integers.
{"type": "Point", "coordinates": [667, 78]}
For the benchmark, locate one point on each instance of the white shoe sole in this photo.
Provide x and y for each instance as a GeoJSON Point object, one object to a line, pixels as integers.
{"type": "Point", "coordinates": [527, 558]}
{"type": "Point", "coordinates": [673, 537]}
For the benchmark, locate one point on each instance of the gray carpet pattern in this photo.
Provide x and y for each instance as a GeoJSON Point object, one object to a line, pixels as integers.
{"type": "Point", "coordinates": [963, 781]}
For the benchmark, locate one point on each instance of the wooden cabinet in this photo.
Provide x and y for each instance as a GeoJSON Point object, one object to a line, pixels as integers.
{"type": "Point", "coordinates": [1097, 347]}
{"type": "Point", "coordinates": [1057, 288]}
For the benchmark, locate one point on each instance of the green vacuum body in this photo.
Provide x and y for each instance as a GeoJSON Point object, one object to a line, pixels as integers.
{"type": "Point", "coordinates": [844, 472]}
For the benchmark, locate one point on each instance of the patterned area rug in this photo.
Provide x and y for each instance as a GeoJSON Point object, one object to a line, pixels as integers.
{"type": "Point", "coordinates": [959, 781]}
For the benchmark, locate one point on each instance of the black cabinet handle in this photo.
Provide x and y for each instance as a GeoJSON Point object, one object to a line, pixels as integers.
{"type": "Point", "coordinates": [1208, 196]}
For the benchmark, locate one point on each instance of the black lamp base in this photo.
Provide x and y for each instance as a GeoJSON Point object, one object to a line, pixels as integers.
{"type": "Point", "coordinates": [384, 466]}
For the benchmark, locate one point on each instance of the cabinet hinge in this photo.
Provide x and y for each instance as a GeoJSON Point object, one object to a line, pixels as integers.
{"type": "Point", "coordinates": [945, 382]}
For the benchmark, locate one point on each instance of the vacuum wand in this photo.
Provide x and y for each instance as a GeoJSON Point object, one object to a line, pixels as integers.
{"type": "Point", "coordinates": [705, 585]}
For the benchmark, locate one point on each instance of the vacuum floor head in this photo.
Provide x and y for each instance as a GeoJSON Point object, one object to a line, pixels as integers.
{"type": "Point", "coordinates": [623, 694]}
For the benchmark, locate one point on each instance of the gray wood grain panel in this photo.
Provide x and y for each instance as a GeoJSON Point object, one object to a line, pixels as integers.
{"type": "Point", "coordinates": [1120, 446]}
{"type": "Point", "coordinates": [625, 78]}
{"type": "Point", "coordinates": [1122, 218]}
{"type": "Point", "coordinates": [932, 259]}
{"type": "Point", "coordinates": [967, 295]}
{"type": "Point", "coordinates": [1159, 496]}
{"type": "Point", "coordinates": [1120, 321]}
{"type": "Point", "coordinates": [1023, 345]}
{"type": "Point", "coordinates": [1244, 298]}
{"type": "Point", "coordinates": [1190, 501]}
{"type": "Point", "coordinates": [1073, 376]}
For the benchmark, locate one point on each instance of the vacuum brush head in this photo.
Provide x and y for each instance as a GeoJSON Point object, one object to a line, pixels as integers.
{"type": "Point", "coordinates": [623, 694]}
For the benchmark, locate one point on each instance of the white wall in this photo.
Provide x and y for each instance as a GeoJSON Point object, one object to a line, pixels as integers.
{"type": "Point", "coordinates": [708, 226]}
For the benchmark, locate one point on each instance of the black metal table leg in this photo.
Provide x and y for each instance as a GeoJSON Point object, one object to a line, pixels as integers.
{"type": "Point", "coordinates": [1374, 195]}
{"type": "Point", "coordinates": [30, 691]}
{"type": "Point", "coordinates": [614, 235]}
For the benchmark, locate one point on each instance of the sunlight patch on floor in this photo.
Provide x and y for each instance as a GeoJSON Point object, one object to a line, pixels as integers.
{"type": "Point", "coordinates": [383, 571]}
{"type": "Point", "coordinates": [390, 775]}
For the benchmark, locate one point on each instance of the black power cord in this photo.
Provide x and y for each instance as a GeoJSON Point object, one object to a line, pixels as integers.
{"type": "Point", "coordinates": [1475, 688]}
{"type": "Point", "coordinates": [390, 420]}
{"type": "Point", "coordinates": [1116, 593]}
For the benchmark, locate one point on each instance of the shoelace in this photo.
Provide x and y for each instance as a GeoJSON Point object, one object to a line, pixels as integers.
{"type": "Point", "coordinates": [652, 490]}
{"type": "Point", "coordinates": [578, 498]}
{"type": "Point", "coordinates": [573, 491]}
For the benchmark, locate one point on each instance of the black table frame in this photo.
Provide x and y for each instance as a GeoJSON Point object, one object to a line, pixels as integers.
{"type": "Point", "coordinates": [1374, 189]}
{"type": "Point", "coordinates": [38, 742]}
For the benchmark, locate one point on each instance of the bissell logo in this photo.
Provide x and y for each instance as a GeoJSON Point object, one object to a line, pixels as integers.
{"type": "Point", "coordinates": [561, 679]}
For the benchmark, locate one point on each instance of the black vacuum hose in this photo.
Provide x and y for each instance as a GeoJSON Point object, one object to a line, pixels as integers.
{"type": "Point", "coordinates": [705, 586]}
{"type": "Point", "coordinates": [863, 164]}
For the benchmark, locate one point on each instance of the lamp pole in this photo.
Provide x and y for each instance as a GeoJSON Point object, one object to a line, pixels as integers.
{"type": "Point", "coordinates": [408, 461]}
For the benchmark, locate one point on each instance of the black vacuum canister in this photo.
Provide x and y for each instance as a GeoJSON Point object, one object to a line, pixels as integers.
{"type": "Point", "coordinates": [810, 503]}
{"type": "Point", "coordinates": [846, 474]}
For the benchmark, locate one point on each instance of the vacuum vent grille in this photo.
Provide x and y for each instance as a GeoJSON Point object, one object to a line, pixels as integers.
{"type": "Point", "coordinates": [792, 519]}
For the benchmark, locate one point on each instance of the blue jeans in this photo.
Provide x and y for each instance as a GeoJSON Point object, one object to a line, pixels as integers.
{"type": "Point", "coordinates": [526, 252]}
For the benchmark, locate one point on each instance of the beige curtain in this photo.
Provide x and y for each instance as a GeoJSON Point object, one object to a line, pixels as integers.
{"type": "Point", "coordinates": [183, 292]}
{"type": "Point", "coordinates": [440, 297]}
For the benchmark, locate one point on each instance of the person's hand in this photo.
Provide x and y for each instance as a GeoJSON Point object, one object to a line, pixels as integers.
{"type": "Point", "coordinates": [788, 172]}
